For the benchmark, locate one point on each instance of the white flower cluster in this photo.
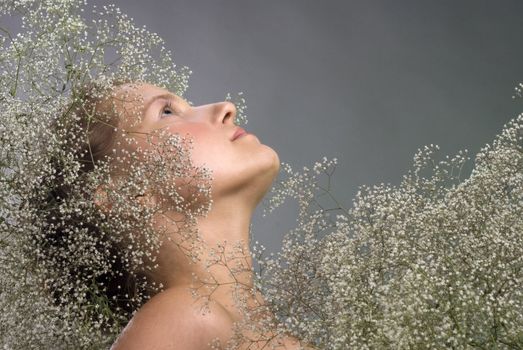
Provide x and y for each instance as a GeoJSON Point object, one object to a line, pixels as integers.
{"type": "Point", "coordinates": [299, 185]}
{"type": "Point", "coordinates": [434, 263]}
{"type": "Point", "coordinates": [73, 270]}
{"type": "Point", "coordinates": [241, 107]}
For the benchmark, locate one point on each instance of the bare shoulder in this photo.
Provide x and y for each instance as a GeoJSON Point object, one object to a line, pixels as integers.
{"type": "Point", "coordinates": [173, 320]}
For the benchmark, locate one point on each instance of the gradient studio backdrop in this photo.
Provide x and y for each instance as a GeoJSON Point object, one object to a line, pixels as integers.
{"type": "Point", "coordinates": [367, 81]}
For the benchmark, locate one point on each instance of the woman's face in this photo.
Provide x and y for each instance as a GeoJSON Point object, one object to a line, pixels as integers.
{"type": "Point", "coordinates": [241, 166]}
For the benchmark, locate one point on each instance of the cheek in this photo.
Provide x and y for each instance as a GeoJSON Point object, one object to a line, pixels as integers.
{"type": "Point", "coordinates": [207, 145]}
{"type": "Point", "coordinates": [200, 154]}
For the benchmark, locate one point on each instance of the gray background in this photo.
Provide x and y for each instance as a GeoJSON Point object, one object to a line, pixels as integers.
{"type": "Point", "coordinates": [366, 81]}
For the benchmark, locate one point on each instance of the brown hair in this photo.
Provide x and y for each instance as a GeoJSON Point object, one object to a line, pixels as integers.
{"type": "Point", "coordinates": [119, 287]}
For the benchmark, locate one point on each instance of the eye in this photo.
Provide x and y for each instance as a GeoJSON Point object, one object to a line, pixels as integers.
{"type": "Point", "coordinates": [167, 110]}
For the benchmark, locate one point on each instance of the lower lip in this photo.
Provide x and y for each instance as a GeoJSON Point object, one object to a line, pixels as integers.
{"type": "Point", "coordinates": [241, 135]}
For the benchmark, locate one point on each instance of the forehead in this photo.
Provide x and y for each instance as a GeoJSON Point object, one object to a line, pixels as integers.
{"type": "Point", "coordinates": [145, 90]}
{"type": "Point", "coordinates": [138, 93]}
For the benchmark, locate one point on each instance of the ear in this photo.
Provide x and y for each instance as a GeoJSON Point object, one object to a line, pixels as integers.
{"type": "Point", "coordinates": [101, 199]}
{"type": "Point", "coordinates": [147, 199]}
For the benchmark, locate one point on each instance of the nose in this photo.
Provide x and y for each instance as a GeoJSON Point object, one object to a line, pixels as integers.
{"type": "Point", "coordinates": [226, 112]}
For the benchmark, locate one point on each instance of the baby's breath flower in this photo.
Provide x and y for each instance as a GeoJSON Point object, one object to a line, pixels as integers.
{"type": "Point", "coordinates": [432, 263]}
{"type": "Point", "coordinates": [72, 273]}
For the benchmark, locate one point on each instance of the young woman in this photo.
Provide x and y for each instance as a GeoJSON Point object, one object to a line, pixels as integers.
{"type": "Point", "coordinates": [242, 171]}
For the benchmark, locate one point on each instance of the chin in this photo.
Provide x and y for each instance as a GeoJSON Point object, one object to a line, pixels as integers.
{"type": "Point", "coordinates": [269, 172]}
{"type": "Point", "coordinates": [253, 181]}
{"type": "Point", "coordinates": [273, 162]}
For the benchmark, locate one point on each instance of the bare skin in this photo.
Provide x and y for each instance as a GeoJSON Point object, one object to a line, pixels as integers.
{"type": "Point", "coordinates": [243, 170]}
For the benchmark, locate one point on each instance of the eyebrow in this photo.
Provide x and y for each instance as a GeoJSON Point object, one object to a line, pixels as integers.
{"type": "Point", "coordinates": [167, 96]}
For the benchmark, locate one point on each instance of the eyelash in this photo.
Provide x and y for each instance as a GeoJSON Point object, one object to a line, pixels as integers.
{"type": "Point", "coordinates": [168, 105]}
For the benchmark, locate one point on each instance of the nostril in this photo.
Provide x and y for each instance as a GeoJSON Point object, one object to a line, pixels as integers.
{"type": "Point", "coordinates": [227, 112]}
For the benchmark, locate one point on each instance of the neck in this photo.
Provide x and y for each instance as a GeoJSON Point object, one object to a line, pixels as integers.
{"type": "Point", "coordinates": [225, 233]}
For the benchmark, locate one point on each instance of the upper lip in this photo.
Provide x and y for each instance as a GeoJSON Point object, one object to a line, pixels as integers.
{"type": "Point", "coordinates": [238, 132]}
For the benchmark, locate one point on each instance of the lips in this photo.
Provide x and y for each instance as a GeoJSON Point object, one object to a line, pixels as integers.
{"type": "Point", "coordinates": [239, 132]}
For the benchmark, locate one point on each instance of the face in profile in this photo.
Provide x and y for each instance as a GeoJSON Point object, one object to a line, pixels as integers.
{"type": "Point", "coordinates": [241, 165]}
